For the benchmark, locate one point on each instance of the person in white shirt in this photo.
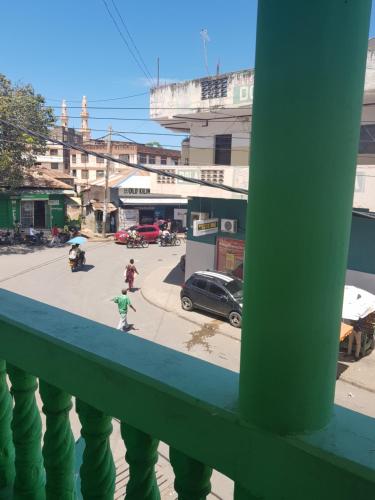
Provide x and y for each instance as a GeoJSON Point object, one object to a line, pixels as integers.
{"type": "Point", "coordinates": [32, 231]}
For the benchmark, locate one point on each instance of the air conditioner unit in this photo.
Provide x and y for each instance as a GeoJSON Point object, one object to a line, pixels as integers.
{"type": "Point", "coordinates": [198, 216]}
{"type": "Point", "coordinates": [228, 226]}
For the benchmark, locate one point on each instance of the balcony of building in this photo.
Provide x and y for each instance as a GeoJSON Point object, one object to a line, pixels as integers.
{"type": "Point", "coordinates": [272, 428]}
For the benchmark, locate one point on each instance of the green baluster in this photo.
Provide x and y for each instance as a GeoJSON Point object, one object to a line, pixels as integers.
{"type": "Point", "coordinates": [58, 447]}
{"type": "Point", "coordinates": [141, 455]}
{"type": "Point", "coordinates": [192, 478]}
{"type": "Point", "coordinates": [98, 469]}
{"type": "Point", "coordinates": [7, 471]}
{"type": "Point", "coordinates": [27, 436]}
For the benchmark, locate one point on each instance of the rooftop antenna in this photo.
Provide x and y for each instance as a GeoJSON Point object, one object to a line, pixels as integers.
{"type": "Point", "coordinates": [218, 67]}
{"type": "Point", "coordinates": [158, 71]}
{"type": "Point", "coordinates": [205, 39]}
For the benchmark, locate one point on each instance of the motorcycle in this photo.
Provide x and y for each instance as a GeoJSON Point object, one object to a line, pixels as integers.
{"type": "Point", "coordinates": [5, 238]}
{"type": "Point", "coordinates": [77, 262]}
{"type": "Point", "coordinates": [138, 242]}
{"type": "Point", "coordinates": [37, 239]}
{"type": "Point", "coordinates": [169, 240]}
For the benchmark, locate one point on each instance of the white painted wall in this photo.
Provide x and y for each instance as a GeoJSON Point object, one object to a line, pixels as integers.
{"type": "Point", "coordinates": [185, 95]}
{"type": "Point", "coordinates": [236, 176]}
{"type": "Point", "coordinates": [199, 257]}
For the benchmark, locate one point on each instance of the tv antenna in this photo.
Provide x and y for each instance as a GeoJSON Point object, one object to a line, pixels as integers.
{"type": "Point", "coordinates": [205, 39]}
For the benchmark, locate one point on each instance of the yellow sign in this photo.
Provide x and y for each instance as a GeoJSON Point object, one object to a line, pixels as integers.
{"type": "Point", "coordinates": [202, 227]}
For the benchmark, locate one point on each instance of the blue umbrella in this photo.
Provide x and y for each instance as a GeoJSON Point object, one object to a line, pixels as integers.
{"type": "Point", "coordinates": [78, 240]}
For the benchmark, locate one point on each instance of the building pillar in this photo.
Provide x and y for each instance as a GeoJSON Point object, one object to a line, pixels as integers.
{"type": "Point", "coordinates": [310, 65]}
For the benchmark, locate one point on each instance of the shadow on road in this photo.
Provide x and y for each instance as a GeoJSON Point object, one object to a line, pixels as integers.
{"type": "Point", "coordinates": [86, 268]}
{"type": "Point", "coordinates": [21, 249]}
{"type": "Point", "coordinates": [175, 277]}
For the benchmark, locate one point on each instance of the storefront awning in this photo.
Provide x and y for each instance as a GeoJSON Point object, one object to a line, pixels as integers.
{"type": "Point", "coordinates": [154, 201]}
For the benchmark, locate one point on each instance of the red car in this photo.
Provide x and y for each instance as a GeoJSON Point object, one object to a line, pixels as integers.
{"type": "Point", "coordinates": [150, 233]}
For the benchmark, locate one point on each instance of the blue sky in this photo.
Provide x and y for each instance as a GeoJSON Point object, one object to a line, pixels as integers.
{"type": "Point", "coordinates": [71, 48]}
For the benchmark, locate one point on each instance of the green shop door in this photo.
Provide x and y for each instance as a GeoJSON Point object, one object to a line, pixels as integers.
{"type": "Point", "coordinates": [40, 214]}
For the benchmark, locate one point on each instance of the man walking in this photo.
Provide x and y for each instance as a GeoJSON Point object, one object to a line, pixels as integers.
{"type": "Point", "coordinates": [123, 303]}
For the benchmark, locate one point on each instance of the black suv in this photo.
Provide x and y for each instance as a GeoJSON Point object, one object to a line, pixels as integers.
{"type": "Point", "coordinates": [216, 292]}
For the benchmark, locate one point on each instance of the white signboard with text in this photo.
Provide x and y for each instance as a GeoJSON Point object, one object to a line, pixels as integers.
{"type": "Point", "coordinates": [203, 227]}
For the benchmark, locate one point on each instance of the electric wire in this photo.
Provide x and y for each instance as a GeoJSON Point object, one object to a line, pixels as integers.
{"type": "Point", "coordinates": [126, 42]}
{"type": "Point", "coordinates": [131, 39]}
{"type": "Point", "coordinates": [136, 166]}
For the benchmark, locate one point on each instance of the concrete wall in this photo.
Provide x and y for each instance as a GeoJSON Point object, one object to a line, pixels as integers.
{"type": "Point", "coordinates": [185, 95]}
{"type": "Point", "coordinates": [199, 256]}
{"type": "Point", "coordinates": [202, 141]}
{"type": "Point", "coordinates": [236, 176]}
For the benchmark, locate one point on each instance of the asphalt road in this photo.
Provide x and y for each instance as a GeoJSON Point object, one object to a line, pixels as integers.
{"type": "Point", "coordinates": [44, 275]}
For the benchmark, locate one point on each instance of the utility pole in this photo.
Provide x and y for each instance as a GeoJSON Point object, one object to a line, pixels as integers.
{"type": "Point", "coordinates": [106, 190]}
{"type": "Point", "coordinates": [158, 71]}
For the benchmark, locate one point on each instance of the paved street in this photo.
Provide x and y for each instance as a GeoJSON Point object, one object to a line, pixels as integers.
{"type": "Point", "coordinates": [44, 275]}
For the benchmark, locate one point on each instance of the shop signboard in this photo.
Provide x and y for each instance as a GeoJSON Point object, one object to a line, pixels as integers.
{"type": "Point", "coordinates": [53, 202]}
{"type": "Point", "coordinates": [204, 227]}
{"type": "Point", "coordinates": [230, 256]}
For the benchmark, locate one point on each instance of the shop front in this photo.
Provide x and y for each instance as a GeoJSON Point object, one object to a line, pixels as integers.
{"type": "Point", "coordinates": [42, 210]}
{"type": "Point", "coordinates": [230, 256]}
{"type": "Point", "coordinates": [146, 210]}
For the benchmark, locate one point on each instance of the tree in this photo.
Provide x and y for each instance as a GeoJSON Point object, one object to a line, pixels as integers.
{"type": "Point", "coordinates": [153, 144]}
{"type": "Point", "coordinates": [20, 104]}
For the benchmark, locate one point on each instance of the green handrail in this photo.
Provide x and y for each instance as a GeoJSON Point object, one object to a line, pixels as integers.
{"type": "Point", "coordinates": [186, 402]}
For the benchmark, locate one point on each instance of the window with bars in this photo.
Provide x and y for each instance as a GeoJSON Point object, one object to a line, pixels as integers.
{"type": "Point", "coordinates": [152, 159]}
{"type": "Point", "coordinates": [216, 176]}
{"type": "Point", "coordinates": [84, 158]}
{"type": "Point", "coordinates": [84, 174]}
{"type": "Point", "coordinates": [99, 173]}
{"type": "Point", "coordinates": [142, 158]}
{"type": "Point", "coordinates": [99, 160]}
{"type": "Point", "coordinates": [74, 158]}
{"type": "Point", "coordinates": [123, 157]}
{"type": "Point", "coordinates": [215, 88]}
{"type": "Point", "coordinates": [163, 179]}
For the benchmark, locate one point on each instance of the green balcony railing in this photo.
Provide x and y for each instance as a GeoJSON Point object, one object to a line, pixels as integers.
{"type": "Point", "coordinates": [157, 394]}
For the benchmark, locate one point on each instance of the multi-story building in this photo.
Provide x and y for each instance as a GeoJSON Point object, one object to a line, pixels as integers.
{"type": "Point", "coordinates": [88, 168]}
{"type": "Point", "coordinates": [57, 157]}
{"type": "Point", "coordinates": [215, 113]}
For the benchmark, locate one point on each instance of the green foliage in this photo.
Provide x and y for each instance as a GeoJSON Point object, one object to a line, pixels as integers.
{"type": "Point", "coordinates": [153, 144]}
{"type": "Point", "coordinates": [21, 105]}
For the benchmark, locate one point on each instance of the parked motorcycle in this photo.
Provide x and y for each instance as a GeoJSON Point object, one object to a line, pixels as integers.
{"type": "Point", "coordinates": [169, 240]}
{"type": "Point", "coordinates": [138, 242]}
{"type": "Point", "coordinates": [38, 239]}
{"type": "Point", "coordinates": [5, 238]}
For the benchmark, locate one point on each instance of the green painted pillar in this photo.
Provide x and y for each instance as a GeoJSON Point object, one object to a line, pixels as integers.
{"type": "Point", "coordinates": [310, 64]}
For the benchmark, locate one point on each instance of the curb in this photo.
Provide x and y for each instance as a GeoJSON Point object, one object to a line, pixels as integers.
{"type": "Point", "coordinates": [354, 383]}
{"type": "Point", "coordinates": [194, 322]}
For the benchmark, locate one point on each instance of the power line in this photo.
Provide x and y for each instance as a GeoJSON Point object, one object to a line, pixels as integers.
{"type": "Point", "coordinates": [177, 122]}
{"type": "Point", "coordinates": [99, 100]}
{"type": "Point", "coordinates": [131, 39]}
{"type": "Point", "coordinates": [126, 42]}
{"type": "Point", "coordinates": [136, 166]}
